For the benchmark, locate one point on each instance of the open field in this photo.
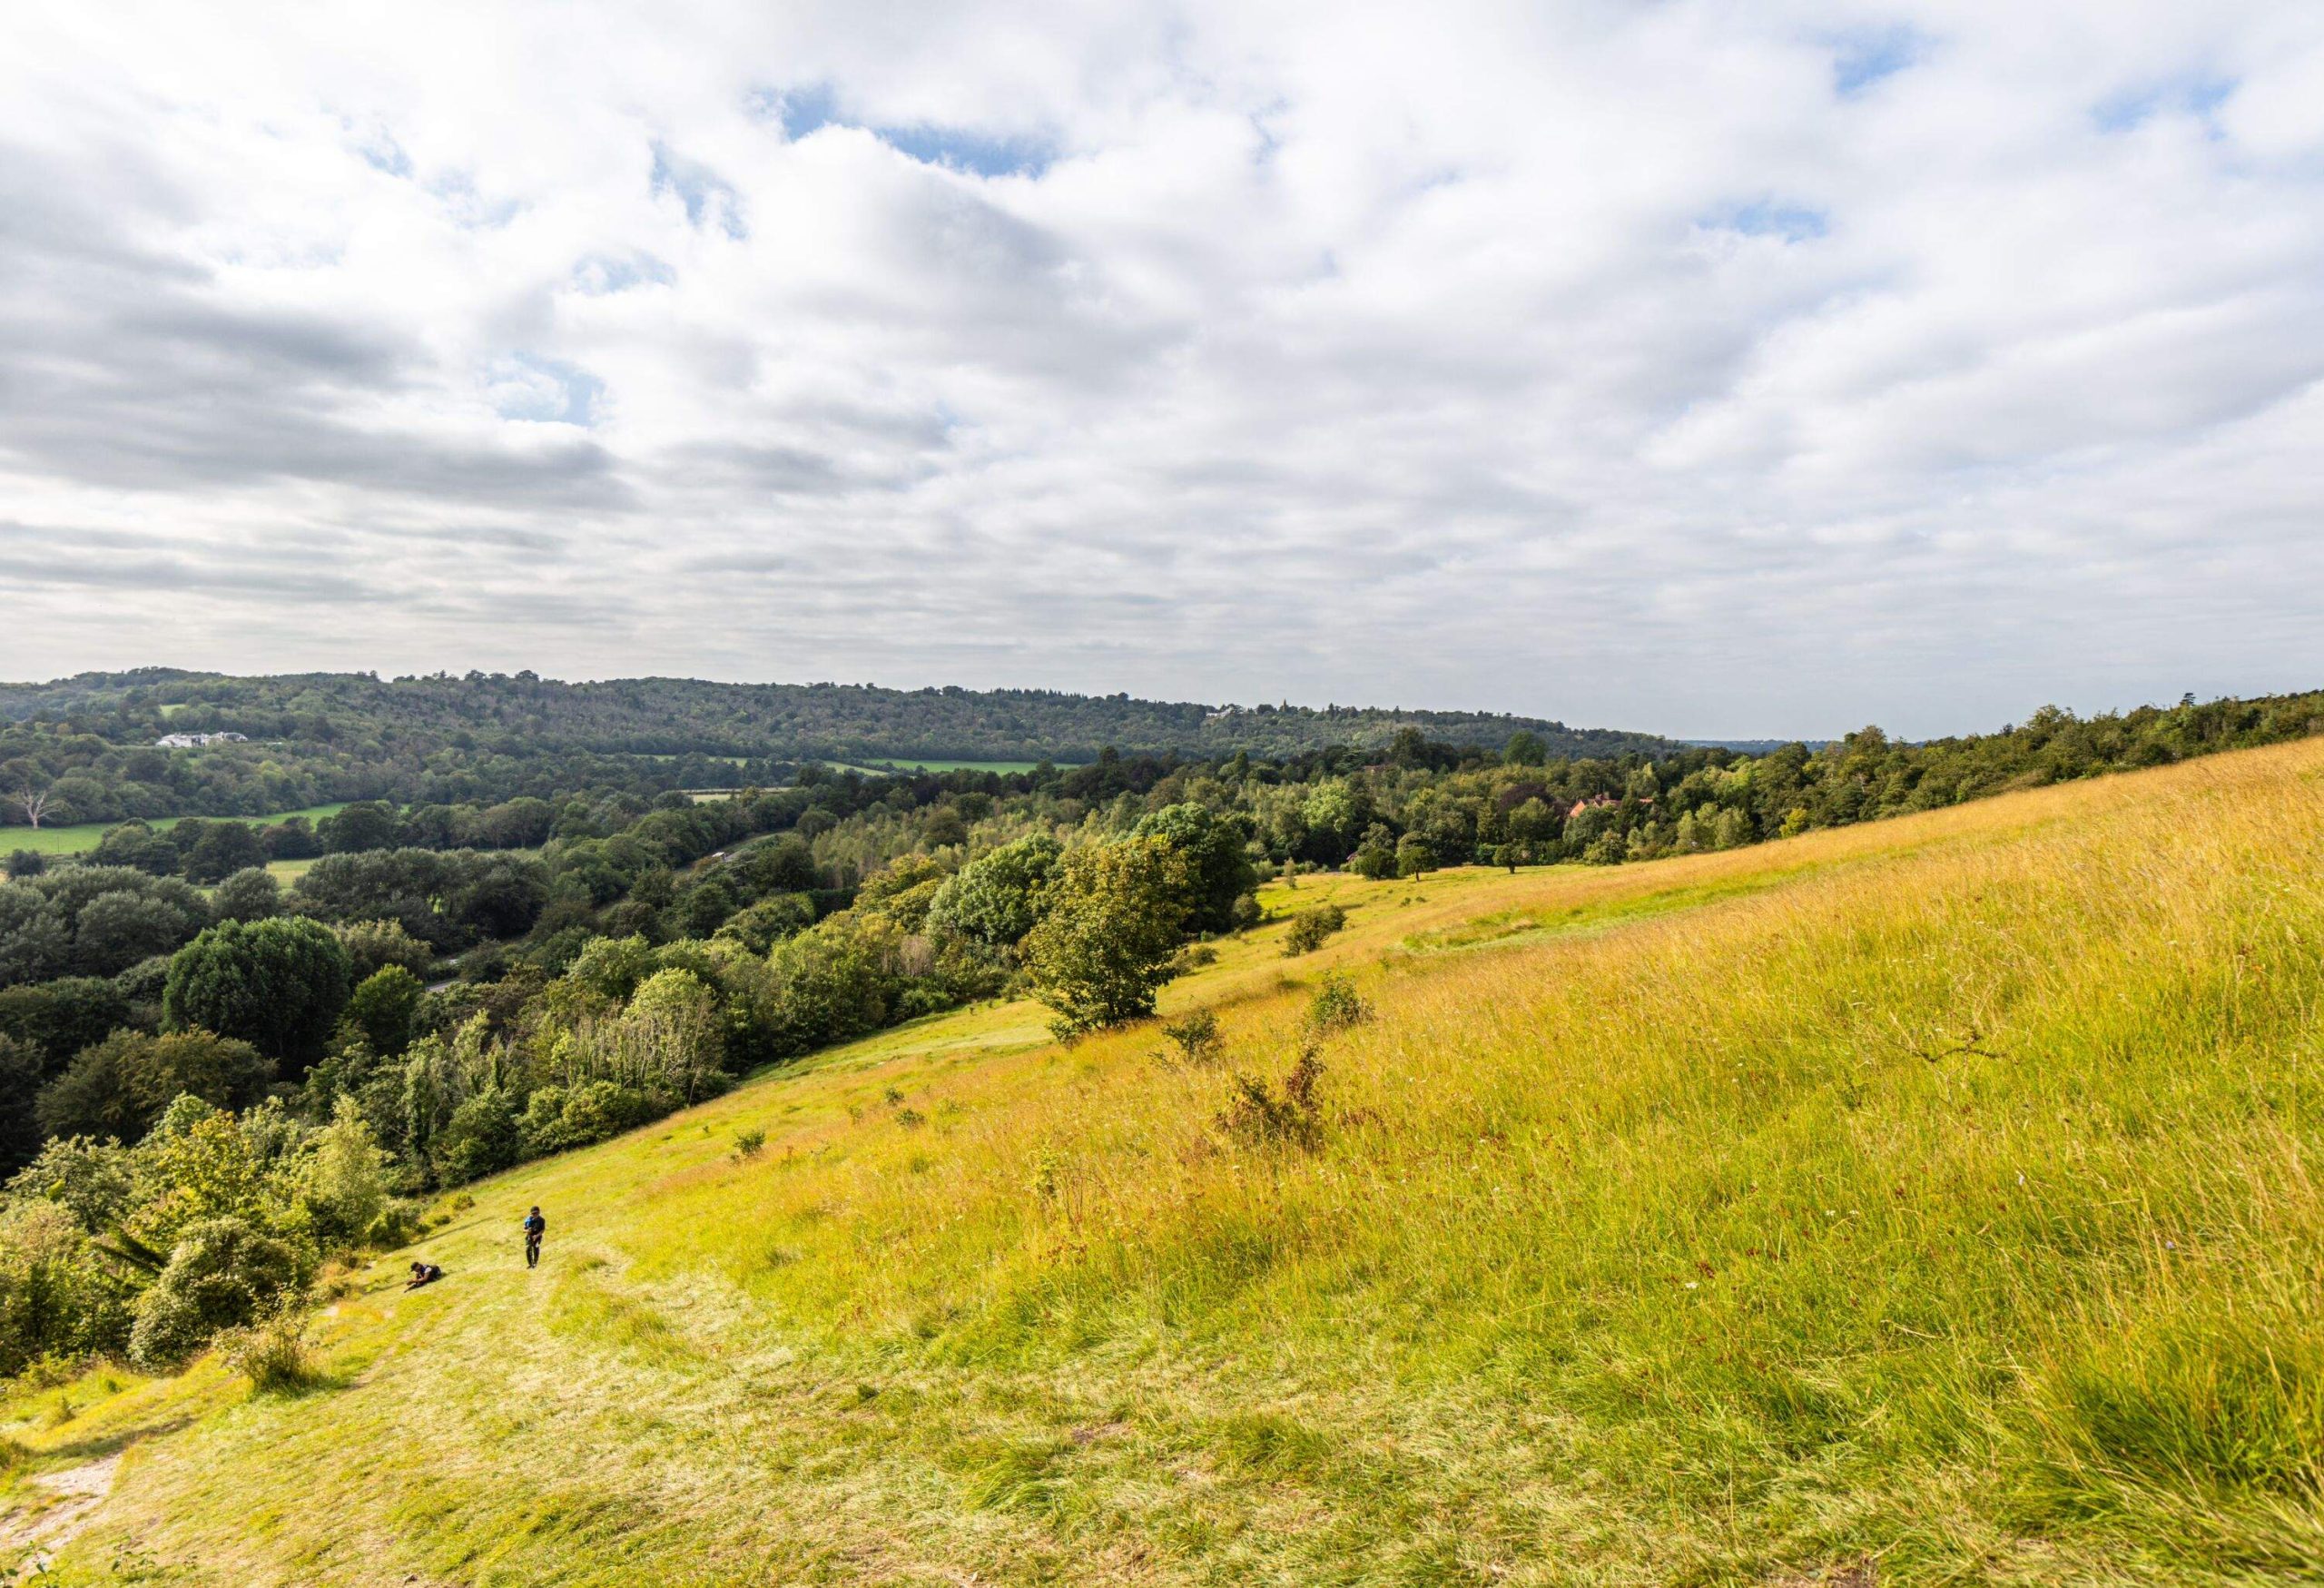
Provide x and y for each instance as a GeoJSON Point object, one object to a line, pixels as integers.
{"type": "Point", "coordinates": [1926, 1201]}
{"type": "Point", "coordinates": [81, 836]}
{"type": "Point", "coordinates": [956, 766]}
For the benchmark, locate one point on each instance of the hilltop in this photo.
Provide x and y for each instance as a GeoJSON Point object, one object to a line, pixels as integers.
{"type": "Point", "coordinates": [1927, 1198]}
{"type": "Point", "coordinates": [770, 722]}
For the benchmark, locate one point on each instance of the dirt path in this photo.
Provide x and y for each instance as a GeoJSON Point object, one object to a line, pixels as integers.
{"type": "Point", "coordinates": [29, 1541]}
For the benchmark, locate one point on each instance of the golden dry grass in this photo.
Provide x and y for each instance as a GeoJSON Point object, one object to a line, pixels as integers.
{"type": "Point", "coordinates": [1920, 1202]}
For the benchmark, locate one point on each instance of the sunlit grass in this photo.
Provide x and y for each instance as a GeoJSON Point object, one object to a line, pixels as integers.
{"type": "Point", "coordinates": [1932, 1195]}
{"type": "Point", "coordinates": [80, 836]}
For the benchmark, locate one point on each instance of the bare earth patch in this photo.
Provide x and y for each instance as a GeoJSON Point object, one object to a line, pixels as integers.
{"type": "Point", "coordinates": [29, 1541]}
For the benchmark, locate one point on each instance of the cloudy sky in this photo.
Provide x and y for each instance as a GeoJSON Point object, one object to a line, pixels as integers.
{"type": "Point", "coordinates": [1706, 367]}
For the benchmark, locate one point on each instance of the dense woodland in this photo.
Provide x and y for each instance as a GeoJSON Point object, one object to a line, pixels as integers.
{"type": "Point", "coordinates": [210, 1082]}
{"type": "Point", "coordinates": [87, 742]}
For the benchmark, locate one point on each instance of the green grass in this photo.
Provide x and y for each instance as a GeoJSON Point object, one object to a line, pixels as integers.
{"type": "Point", "coordinates": [914, 765]}
{"type": "Point", "coordinates": [1924, 1202]}
{"type": "Point", "coordinates": [82, 836]}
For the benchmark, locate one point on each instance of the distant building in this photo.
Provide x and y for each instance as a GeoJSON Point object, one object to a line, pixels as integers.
{"type": "Point", "coordinates": [195, 741]}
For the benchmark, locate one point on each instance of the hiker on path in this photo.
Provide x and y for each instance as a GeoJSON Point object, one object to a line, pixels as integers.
{"type": "Point", "coordinates": [535, 1228]}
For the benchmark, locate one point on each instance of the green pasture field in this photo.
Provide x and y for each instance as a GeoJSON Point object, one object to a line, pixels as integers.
{"type": "Point", "coordinates": [82, 836]}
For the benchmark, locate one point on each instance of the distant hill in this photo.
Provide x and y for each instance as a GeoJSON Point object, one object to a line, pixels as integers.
{"type": "Point", "coordinates": [1752, 747]}
{"type": "Point", "coordinates": [792, 722]}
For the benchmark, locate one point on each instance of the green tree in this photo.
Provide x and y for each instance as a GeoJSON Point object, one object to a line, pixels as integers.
{"type": "Point", "coordinates": [1111, 939]}
{"type": "Point", "coordinates": [995, 899]}
{"type": "Point", "coordinates": [279, 984]}
{"type": "Point", "coordinates": [365, 825]}
{"type": "Point", "coordinates": [1375, 857]}
{"type": "Point", "coordinates": [221, 849]}
{"type": "Point", "coordinates": [345, 1179]}
{"type": "Point", "coordinates": [1218, 864]}
{"type": "Point", "coordinates": [759, 927]}
{"type": "Point", "coordinates": [481, 1138]}
{"type": "Point", "coordinates": [382, 1007]}
{"type": "Point", "coordinates": [840, 978]}
{"type": "Point", "coordinates": [1415, 856]}
{"type": "Point", "coordinates": [1525, 748]}
{"type": "Point", "coordinates": [249, 894]}
{"type": "Point", "coordinates": [373, 945]}
{"type": "Point", "coordinates": [116, 931]}
{"type": "Point", "coordinates": [119, 1087]}
{"type": "Point", "coordinates": [21, 1073]}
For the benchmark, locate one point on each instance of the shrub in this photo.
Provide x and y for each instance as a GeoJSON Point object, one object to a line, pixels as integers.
{"type": "Point", "coordinates": [1310, 929]}
{"type": "Point", "coordinates": [749, 1143]}
{"type": "Point", "coordinates": [1196, 1038]}
{"type": "Point", "coordinates": [1260, 1117]}
{"type": "Point", "coordinates": [1336, 1005]}
{"type": "Point", "coordinates": [276, 1354]}
{"type": "Point", "coordinates": [221, 1274]}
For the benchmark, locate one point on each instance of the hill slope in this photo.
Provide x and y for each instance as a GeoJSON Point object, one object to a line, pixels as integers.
{"type": "Point", "coordinates": [1932, 1193]}
{"type": "Point", "coordinates": [787, 721]}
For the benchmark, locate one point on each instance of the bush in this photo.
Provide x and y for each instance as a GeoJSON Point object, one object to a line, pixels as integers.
{"type": "Point", "coordinates": [277, 1353]}
{"type": "Point", "coordinates": [1310, 929]}
{"type": "Point", "coordinates": [1196, 1038]}
{"type": "Point", "coordinates": [1259, 1117]}
{"type": "Point", "coordinates": [1336, 1005]}
{"type": "Point", "coordinates": [749, 1143]}
{"type": "Point", "coordinates": [221, 1274]}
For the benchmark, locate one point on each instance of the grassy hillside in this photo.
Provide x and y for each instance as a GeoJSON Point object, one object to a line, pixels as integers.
{"type": "Point", "coordinates": [1922, 1201]}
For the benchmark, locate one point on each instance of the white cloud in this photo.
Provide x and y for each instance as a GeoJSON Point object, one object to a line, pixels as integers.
{"type": "Point", "coordinates": [1689, 367]}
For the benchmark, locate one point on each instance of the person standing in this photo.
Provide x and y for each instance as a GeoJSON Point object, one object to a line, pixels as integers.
{"type": "Point", "coordinates": [535, 1228]}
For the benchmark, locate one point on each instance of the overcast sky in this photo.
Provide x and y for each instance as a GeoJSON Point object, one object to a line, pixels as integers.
{"type": "Point", "coordinates": [1716, 369]}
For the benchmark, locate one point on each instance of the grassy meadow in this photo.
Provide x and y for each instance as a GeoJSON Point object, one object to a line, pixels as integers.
{"type": "Point", "coordinates": [1928, 1201]}
{"type": "Point", "coordinates": [77, 837]}
{"type": "Point", "coordinates": [915, 766]}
